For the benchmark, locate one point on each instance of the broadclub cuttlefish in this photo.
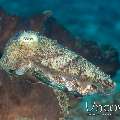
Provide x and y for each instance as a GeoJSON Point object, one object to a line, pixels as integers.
{"type": "Point", "coordinates": [53, 64]}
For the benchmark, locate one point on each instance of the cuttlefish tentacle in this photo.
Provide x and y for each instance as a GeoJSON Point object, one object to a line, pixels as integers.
{"type": "Point", "coordinates": [53, 64]}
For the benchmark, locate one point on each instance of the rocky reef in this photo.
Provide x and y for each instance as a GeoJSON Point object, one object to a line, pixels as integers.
{"type": "Point", "coordinates": [21, 99]}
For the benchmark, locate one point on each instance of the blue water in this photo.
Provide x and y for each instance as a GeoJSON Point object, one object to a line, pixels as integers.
{"type": "Point", "coordinates": [97, 20]}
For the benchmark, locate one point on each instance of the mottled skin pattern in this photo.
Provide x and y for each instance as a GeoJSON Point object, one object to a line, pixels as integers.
{"type": "Point", "coordinates": [59, 67]}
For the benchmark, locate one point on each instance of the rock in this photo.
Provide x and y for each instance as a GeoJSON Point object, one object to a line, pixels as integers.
{"type": "Point", "coordinates": [20, 99]}
{"type": "Point", "coordinates": [8, 25]}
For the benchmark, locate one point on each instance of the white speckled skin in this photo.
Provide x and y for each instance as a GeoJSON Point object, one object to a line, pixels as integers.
{"type": "Point", "coordinates": [31, 52]}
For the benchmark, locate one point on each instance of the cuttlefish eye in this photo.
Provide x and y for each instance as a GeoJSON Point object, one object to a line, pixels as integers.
{"type": "Point", "coordinates": [28, 38]}
{"type": "Point", "coordinates": [31, 38]}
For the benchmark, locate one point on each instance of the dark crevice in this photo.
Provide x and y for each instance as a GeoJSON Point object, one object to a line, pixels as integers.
{"type": "Point", "coordinates": [1, 53]}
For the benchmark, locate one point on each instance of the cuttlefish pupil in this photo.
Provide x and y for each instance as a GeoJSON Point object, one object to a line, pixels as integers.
{"type": "Point", "coordinates": [53, 64]}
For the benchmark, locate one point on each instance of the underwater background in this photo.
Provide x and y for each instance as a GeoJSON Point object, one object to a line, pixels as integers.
{"type": "Point", "coordinates": [90, 19]}
{"type": "Point", "coordinates": [96, 20]}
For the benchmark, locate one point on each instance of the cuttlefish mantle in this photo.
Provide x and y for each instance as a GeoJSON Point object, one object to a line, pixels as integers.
{"type": "Point", "coordinates": [53, 64]}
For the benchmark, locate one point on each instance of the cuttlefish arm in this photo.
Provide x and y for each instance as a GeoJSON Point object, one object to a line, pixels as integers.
{"type": "Point", "coordinates": [53, 65]}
